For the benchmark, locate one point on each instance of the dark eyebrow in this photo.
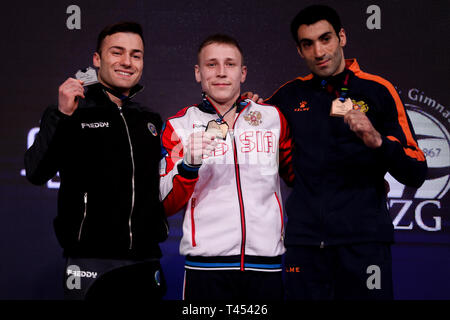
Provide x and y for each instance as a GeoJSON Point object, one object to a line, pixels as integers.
{"type": "Point", "coordinates": [116, 47]}
{"type": "Point", "coordinates": [122, 49]}
{"type": "Point", "coordinates": [305, 40]}
{"type": "Point", "coordinates": [328, 33]}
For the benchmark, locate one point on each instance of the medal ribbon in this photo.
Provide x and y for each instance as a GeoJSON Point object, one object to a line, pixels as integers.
{"type": "Point", "coordinates": [209, 103]}
{"type": "Point", "coordinates": [220, 119]}
{"type": "Point", "coordinates": [341, 94]}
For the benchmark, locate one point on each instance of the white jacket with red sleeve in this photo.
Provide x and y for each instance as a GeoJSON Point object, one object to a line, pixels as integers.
{"type": "Point", "coordinates": [233, 212]}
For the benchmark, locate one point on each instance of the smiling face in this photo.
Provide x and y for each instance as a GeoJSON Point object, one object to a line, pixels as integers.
{"type": "Point", "coordinates": [120, 61]}
{"type": "Point", "coordinates": [220, 72]}
{"type": "Point", "coordinates": [322, 48]}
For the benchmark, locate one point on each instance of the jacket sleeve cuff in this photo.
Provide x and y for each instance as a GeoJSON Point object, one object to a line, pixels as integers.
{"type": "Point", "coordinates": [387, 149]}
{"type": "Point", "coordinates": [61, 115]}
{"type": "Point", "coordinates": [187, 171]}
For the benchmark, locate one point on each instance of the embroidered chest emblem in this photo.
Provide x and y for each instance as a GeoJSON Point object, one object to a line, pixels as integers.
{"type": "Point", "coordinates": [151, 127]}
{"type": "Point", "coordinates": [302, 106]}
{"type": "Point", "coordinates": [254, 118]}
{"type": "Point", "coordinates": [360, 105]}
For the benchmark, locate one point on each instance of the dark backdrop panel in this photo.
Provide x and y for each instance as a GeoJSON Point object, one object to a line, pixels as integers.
{"type": "Point", "coordinates": [39, 52]}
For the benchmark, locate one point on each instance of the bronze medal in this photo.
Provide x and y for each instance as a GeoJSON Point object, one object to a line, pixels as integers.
{"type": "Point", "coordinates": [339, 108]}
{"type": "Point", "coordinates": [219, 129]}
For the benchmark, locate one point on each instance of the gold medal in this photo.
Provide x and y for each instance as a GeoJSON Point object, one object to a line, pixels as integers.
{"type": "Point", "coordinates": [219, 129]}
{"type": "Point", "coordinates": [339, 108]}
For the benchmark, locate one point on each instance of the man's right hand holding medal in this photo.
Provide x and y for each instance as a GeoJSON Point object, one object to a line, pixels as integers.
{"type": "Point", "coordinates": [360, 124]}
{"type": "Point", "coordinates": [199, 143]}
{"type": "Point", "coordinates": [68, 94]}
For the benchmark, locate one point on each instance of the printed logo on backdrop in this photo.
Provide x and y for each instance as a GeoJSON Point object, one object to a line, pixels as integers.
{"type": "Point", "coordinates": [55, 181]}
{"type": "Point", "coordinates": [425, 209]}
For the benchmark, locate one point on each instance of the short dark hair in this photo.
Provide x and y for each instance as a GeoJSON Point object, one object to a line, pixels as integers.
{"type": "Point", "coordinates": [221, 39]}
{"type": "Point", "coordinates": [313, 14]}
{"type": "Point", "coordinates": [126, 26]}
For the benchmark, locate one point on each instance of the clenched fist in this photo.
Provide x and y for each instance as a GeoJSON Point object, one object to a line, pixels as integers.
{"type": "Point", "coordinates": [199, 144]}
{"type": "Point", "coordinates": [68, 94]}
{"type": "Point", "coordinates": [361, 125]}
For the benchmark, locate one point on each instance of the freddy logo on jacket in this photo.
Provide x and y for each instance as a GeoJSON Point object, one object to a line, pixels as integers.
{"type": "Point", "coordinates": [94, 125]}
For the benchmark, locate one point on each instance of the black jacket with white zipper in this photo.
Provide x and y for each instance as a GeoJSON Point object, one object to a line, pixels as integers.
{"type": "Point", "coordinates": [108, 159]}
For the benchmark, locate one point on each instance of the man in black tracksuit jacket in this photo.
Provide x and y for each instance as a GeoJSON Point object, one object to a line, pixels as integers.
{"type": "Point", "coordinates": [339, 230]}
{"type": "Point", "coordinates": [107, 151]}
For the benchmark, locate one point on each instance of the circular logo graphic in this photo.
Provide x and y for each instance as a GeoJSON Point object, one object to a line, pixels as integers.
{"type": "Point", "coordinates": [152, 129]}
{"type": "Point", "coordinates": [434, 140]}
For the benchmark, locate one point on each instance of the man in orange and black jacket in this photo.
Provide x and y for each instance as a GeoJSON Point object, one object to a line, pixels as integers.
{"type": "Point", "coordinates": [338, 221]}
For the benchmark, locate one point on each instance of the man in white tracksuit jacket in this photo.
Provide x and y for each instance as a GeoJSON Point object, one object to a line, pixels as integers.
{"type": "Point", "coordinates": [227, 182]}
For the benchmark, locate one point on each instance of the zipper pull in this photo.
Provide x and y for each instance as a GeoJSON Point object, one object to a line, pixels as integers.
{"type": "Point", "coordinates": [231, 132]}
{"type": "Point", "coordinates": [194, 244]}
{"type": "Point", "coordinates": [322, 245]}
{"type": "Point", "coordinates": [85, 198]}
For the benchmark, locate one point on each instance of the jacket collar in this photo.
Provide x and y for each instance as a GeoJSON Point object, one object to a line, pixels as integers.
{"type": "Point", "coordinates": [351, 68]}
{"type": "Point", "coordinates": [207, 106]}
{"type": "Point", "coordinates": [98, 92]}
{"type": "Point", "coordinates": [352, 65]}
